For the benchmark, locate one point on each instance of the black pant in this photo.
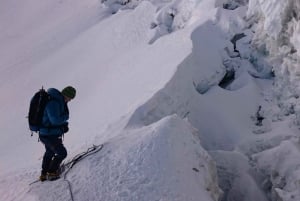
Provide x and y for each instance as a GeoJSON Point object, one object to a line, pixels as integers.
{"type": "Point", "coordinates": [54, 155]}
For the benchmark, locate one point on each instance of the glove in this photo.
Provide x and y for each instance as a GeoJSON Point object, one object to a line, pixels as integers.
{"type": "Point", "coordinates": [65, 128]}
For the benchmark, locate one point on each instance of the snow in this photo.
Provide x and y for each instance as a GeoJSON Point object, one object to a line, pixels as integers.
{"type": "Point", "coordinates": [273, 12]}
{"type": "Point", "coordinates": [125, 172]}
{"type": "Point", "coordinates": [172, 89]}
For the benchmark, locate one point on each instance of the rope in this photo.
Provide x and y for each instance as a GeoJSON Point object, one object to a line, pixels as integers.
{"type": "Point", "coordinates": [70, 189]}
{"type": "Point", "coordinates": [70, 164]}
{"type": "Point", "coordinates": [66, 167]}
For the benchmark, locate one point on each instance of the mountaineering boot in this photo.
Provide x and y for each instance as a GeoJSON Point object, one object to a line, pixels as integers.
{"type": "Point", "coordinates": [51, 176]}
{"type": "Point", "coordinates": [43, 177]}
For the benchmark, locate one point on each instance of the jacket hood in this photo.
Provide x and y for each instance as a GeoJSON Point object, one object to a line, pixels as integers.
{"type": "Point", "coordinates": [54, 93]}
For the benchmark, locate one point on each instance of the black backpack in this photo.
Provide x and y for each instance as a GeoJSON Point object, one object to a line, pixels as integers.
{"type": "Point", "coordinates": [36, 110]}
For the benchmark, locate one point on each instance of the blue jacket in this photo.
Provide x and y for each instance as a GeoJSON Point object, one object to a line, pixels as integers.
{"type": "Point", "coordinates": [56, 114]}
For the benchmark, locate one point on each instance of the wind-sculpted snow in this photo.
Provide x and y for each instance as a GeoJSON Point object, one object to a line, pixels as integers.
{"type": "Point", "coordinates": [200, 71]}
{"type": "Point", "coordinates": [194, 94]}
{"type": "Point", "coordinates": [179, 92]}
{"type": "Point", "coordinates": [191, 73]}
{"type": "Point", "coordinates": [276, 26]}
{"type": "Point", "coordinates": [171, 15]}
{"type": "Point", "coordinates": [163, 161]}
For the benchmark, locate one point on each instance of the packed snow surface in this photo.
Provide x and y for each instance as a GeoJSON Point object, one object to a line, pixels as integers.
{"type": "Point", "coordinates": [191, 100]}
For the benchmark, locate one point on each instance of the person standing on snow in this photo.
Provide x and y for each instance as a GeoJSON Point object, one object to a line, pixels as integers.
{"type": "Point", "coordinates": [55, 122]}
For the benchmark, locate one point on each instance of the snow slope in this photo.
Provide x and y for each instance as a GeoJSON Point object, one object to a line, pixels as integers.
{"type": "Point", "coordinates": [123, 172]}
{"type": "Point", "coordinates": [172, 89]}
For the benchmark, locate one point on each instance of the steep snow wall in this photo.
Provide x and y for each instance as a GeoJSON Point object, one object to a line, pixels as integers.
{"type": "Point", "coordinates": [193, 92]}
{"type": "Point", "coordinates": [195, 69]}
{"type": "Point", "coordinates": [276, 24]}
{"type": "Point", "coordinates": [220, 115]}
